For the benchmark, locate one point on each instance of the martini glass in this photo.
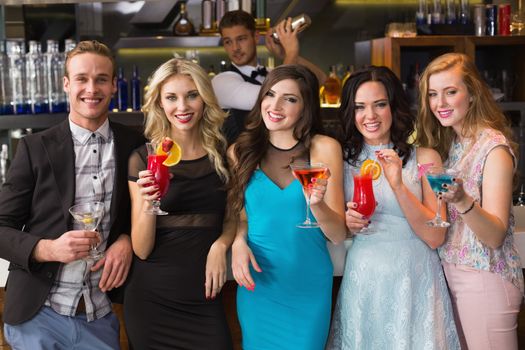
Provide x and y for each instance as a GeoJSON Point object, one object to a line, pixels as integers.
{"type": "Point", "coordinates": [437, 176]}
{"type": "Point", "coordinates": [161, 175]}
{"type": "Point", "coordinates": [305, 172]}
{"type": "Point", "coordinates": [89, 214]}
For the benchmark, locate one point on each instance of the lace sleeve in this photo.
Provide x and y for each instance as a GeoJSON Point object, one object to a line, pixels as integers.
{"type": "Point", "coordinates": [136, 163]}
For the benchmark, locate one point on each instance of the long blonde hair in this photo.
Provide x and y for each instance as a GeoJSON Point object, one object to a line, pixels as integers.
{"type": "Point", "coordinates": [157, 125]}
{"type": "Point", "coordinates": [482, 112]}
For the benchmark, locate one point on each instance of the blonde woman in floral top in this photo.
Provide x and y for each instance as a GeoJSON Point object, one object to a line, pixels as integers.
{"type": "Point", "coordinates": [460, 119]}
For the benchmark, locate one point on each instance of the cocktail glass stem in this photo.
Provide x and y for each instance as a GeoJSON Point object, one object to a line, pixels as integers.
{"type": "Point", "coordinates": [156, 208]}
{"type": "Point", "coordinates": [307, 221]}
{"type": "Point", "coordinates": [94, 253]}
{"type": "Point", "coordinates": [438, 221]}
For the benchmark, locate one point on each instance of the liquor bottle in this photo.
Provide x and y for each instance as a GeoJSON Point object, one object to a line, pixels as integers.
{"type": "Point", "coordinates": [332, 87]}
{"type": "Point", "coordinates": [220, 9]}
{"type": "Point", "coordinates": [437, 16]}
{"type": "Point", "coordinates": [17, 76]}
{"type": "Point", "coordinates": [37, 79]}
{"type": "Point", "coordinates": [5, 87]}
{"type": "Point", "coordinates": [183, 26]}
{"type": "Point", "coordinates": [4, 162]}
{"type": "Point", "coordinates": [207, 15]}
{"type": "Point", "coordinates": [422, 13]}
{"type": "Point", "coordinates": [261, 21]}
{"type": "Point", "coordinates": [464, 12]}
{"type": "Point", "coordinates": [348, 73]}
{"type": "Point", "coordinates": [69, 44]}
{"type": "Point", "coordinates": [122, 91]}
{"type": "Point", "coordinates": [55, 75]}
{"type": "Point", "coordinates": [450, 16]}
{"type": "Point", "coordinates": [135, 89]}
{"type": "Point", "coordinates": [234, 5]}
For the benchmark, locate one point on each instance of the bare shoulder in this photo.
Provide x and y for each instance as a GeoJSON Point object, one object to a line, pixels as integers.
{"type": "Point", "coordinates": [326, 149]}
{"type": "Point", "coordinates": [426, 155]}
{"type": "Point", "coordinates": [325, 143]}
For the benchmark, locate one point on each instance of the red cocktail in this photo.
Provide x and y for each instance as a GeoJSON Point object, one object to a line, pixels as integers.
{"type": "Point", "coordinates": [160, 171]}
{"type": "Point", "coordinates": [305, 172]}
{"type": "Point", "coordinates": [364, 195]}
{"type": "Point", "coordinates": [161, 175]}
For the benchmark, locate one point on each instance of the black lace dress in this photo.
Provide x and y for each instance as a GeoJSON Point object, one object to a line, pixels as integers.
{"type": "Point", "coordinates": [165, 306]}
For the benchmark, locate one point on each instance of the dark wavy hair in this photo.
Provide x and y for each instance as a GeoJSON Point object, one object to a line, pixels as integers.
{"type": "Point", "coordinates": [252, 144]}
{"type": "Point", "coordinates": [403, 120]}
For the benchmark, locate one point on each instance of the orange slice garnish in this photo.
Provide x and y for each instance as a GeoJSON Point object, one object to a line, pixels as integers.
{"type": "Point", "coordinates": [371, 167]}
{"type": "Point", "coordinates": [174, 152]}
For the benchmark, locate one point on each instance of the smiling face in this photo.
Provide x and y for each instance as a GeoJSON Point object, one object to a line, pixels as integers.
{"type": "Point", "coordinates": [282, 106]}
{"type": "Point", "coordinates": [240, 45]}
{"type": "Point", "coordinates": [449, 98]}
{"type": "Point", "coordinates": [89, 85]}
{"type": "Point", "coordinates": [373, 117]}
{"type": "Point", "coordinates": [181, 102]}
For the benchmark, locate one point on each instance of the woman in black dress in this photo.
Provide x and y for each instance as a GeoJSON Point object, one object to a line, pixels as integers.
{"type": "Point", "coordinates": [172, 298]}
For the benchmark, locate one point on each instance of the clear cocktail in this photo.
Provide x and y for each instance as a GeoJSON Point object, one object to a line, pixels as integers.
{"type": "Point", "coordinates": [89, 214]}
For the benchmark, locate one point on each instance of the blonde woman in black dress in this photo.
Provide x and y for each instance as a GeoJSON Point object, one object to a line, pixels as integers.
{"type": "Point", "coordinates": [173, 297]}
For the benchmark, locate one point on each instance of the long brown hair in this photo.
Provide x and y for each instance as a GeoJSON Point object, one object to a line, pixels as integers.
{"type": "Point", "coordinates": [403, 120]}
{"type": "Point", "coordinates": [482, 112]}
{"type": "Point", "coordinates": [252, 144]}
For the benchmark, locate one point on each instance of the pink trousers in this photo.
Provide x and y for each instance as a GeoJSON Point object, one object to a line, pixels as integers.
{"type": "Point", "coordinates": [485, 306]}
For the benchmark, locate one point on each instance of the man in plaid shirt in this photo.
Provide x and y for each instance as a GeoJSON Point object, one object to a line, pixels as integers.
{"type": "Point", "coordinates": [55, 297]}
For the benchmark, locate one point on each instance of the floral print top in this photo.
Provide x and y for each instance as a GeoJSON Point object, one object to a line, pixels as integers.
{"type": "Point", "coordinates": [462, 246]}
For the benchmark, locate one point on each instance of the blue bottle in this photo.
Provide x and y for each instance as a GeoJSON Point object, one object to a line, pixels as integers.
{"type": "Point", "coordinates": [135, 89]}
{"type": "Point", "coordinates": [122, 91]}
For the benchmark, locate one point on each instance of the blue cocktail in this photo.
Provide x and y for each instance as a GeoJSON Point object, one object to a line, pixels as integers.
{"type": "Point", "coordinates": [437, 177]}
{"type": "Point", "coordinates": [438, 180]}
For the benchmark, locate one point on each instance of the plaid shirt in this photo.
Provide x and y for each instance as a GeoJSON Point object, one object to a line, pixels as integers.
{"type": "Point", "coordinates": [94, 180]}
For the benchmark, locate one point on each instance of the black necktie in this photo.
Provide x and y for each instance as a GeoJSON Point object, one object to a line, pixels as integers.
{"type": "Point", "coordinates": [259, 71]}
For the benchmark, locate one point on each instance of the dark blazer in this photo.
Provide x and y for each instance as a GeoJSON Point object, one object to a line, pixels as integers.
{"type": "Point", "coordinates": [34, 204]}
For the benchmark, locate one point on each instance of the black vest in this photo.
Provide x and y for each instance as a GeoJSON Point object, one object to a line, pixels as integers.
{"type": "Point", "coordinates": [234, 124]}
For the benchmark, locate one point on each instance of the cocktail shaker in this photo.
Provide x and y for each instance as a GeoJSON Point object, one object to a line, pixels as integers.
{"type": "Point", "coordinates": [299, 23]}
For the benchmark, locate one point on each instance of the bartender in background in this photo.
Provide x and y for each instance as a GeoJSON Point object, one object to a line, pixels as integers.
{"type": "Point", "coordinates": [238, 87]}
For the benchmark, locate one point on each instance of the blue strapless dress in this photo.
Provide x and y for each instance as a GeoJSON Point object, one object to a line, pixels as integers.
{"type": "Point", "coordinates": [290, 306]}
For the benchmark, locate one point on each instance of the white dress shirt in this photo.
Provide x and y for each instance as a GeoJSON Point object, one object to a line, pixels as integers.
{"type": "Point", "coordinates": [233, 92]}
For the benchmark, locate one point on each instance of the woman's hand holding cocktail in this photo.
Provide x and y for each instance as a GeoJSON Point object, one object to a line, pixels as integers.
{"type": "Point", "coordinates": [318, 188]}
{"type": "Point", "coordinates": [149, 190]}
{"type": "Point", "coordinates": [355, 221]}
{"type": "Point", "coordinates": [456, 195]}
